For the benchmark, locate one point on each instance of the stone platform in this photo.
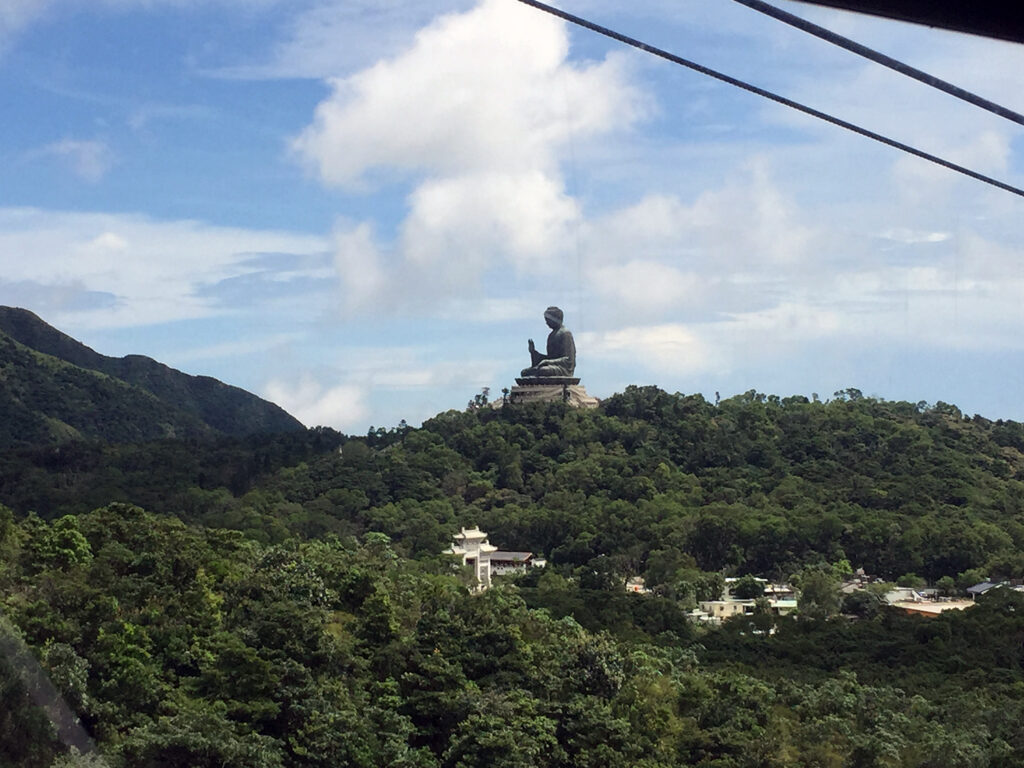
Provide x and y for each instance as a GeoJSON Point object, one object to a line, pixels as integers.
{"type": "Point", "coordinates": [540, 391]}
{"type": "Point", "coordinates": [535, 381]}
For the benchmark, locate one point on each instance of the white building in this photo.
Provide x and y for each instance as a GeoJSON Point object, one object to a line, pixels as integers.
{"type": "Point", "coordinates": [472, 545]}
{"type": "Point", "coordinates": [781, 602]}
{"type": "Point", "coordinates": [487, 560]}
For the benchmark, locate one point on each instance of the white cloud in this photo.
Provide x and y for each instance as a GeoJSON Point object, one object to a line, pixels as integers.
{"type": "Point", "coordinates": [391, 379]}
{"type": "Point", "coordinates": [458, 373]}
{"type": "Point", "coordinates": [463, 225]}
{"type": "Point", "coordinates": [954, 306]}
{"type": "Point", "coordinates": [669, 348]}
{"type": "Point", "coordinates": [909, 236]}
{"type": "Point", "coordinates": [715, 347]}
{"type": "Point", "coordinates": [473, 115]}
{"type": "Point", "coordinates": [787, 323]}
{"type": "Point", "coordinates": [477, 309]}
{"type": "Point", "coordinates": [343, 407]}
{"type": "Point", "coordinates": [399, 367]}
{"type": "Point", "coordinates": [721, 241]}
{"type": "Point", "coordinates": [482, 91]}
{"type": "Point", "coordinates": [153, 271]}
{"type": "Point", "coordinates": [358, 262]}
{"type": "Point", "coordinates": [645, 287]}
{"type": "Point", "coordinates": [746, 224]}
{"type": "Point", "coordinates": [986, 152]}
{"type": "Point", "coordinates": [746, 277]}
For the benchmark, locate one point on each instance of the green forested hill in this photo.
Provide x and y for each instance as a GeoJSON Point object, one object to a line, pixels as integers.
{"type": "Point", "coordinates": [54, 388]}
{"type": "Point", "coordinates": [658, 484]}
{"type": "Point", "coordinates": [651, 483]}
{"type": "Point", "coordinates": [282, 601]}
{"type": "Point", "coordinates": [47, 401]}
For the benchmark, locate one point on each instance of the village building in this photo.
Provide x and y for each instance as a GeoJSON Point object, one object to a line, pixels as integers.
{"type": "Point", "coordinates": [636, 585]}
{"type": "Point", "coordinates": [781, 602]}
{"type": "Point", "coordinates": [503, 563]}
{"type": "Point", "coordinates": [984, 587]}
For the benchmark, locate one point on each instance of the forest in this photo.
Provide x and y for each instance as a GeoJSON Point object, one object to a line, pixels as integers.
{"type": "Point", "coordinates": [284, 600]}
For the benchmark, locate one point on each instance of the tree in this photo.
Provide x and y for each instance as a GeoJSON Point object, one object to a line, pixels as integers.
{"type": "Point", "coordinates": [747, 588]}
{"type": "Point", "coordinates": [819, 595]}
{"type": "Point", "coordinates": [762, 618]}
{"type": "Point", "coordinates": [505, 732]}
{"type": "Point", "coordinates": [971, 577]}
{"type": "Point", "coordinates": [910, 580]}
{"type": "Point", "coordinates": [862, 603]}
{"type": "Point", "coordinates": [199, 736]}
{"type": "Point", "coordinates": [709, 586]}
{"type": "Point", "coordinates": [479, 400]}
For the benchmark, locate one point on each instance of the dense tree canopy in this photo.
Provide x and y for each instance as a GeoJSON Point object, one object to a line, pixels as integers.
{"type": "Point", "coordinates": [282, 601]}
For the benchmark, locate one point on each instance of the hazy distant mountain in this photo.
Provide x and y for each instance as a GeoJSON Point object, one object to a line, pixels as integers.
{"type": "Point", "coordinates": [54, 388]}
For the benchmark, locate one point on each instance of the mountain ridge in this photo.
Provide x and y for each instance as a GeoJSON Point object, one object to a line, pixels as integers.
{"type": "Point", "coordinates": [78, 398]}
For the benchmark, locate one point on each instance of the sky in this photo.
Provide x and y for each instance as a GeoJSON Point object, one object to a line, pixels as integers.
{"type": "Point", "coordinates": [359, 209]}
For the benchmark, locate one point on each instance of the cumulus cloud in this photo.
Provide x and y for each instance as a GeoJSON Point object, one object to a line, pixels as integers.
{"type": "Point", "coordinates": [471, 118]}
{"type": "Point", "coordinates": [748, 261]}
{"type": "Point", "coordinates": [727, 250]}
{"type": "Point", "coordinates": [398, 367]}
{"type": "Point", "coordinates": [358, 261]}
{"type": "Point", "coordinates": [487, 90]}
{"type": "Point", "coordinates": [745, 277]}
{"type": "Point", "coordinates": [343, 407]}
{"type": "Point", "coordinates": [520, 218]}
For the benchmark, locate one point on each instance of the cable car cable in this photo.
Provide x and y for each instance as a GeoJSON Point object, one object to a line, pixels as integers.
{"type": "Point", "coordinates": [772, 96]}
{"type": "Point", "coordinates": [880, 58]}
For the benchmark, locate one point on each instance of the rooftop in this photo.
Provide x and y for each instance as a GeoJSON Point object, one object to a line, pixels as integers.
{"type": "Point", "coordinates": [501, 554]}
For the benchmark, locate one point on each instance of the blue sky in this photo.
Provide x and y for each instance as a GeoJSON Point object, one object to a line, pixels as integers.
{"type": "Point", "coordinates": [360, 209]}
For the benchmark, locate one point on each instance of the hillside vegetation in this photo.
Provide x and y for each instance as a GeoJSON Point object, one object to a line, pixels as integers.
{"type": "Point", "coordinates": [652, 483]}
{"type": "Point", "coordinates": [174, 645]}
{"type": "Point", "coordinates": [283, 600]}
{"type": "Point", "coordinates": [54, 390]}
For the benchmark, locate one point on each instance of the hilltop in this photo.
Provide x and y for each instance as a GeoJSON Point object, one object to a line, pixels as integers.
{"type": "Point", "coordinates": [54, 389]}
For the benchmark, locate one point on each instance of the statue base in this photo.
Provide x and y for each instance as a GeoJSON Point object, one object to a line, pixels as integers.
{"type": "Point", "coordinates": [532, 381]}
{"type": "Point", "coordinates": [561, 392]}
